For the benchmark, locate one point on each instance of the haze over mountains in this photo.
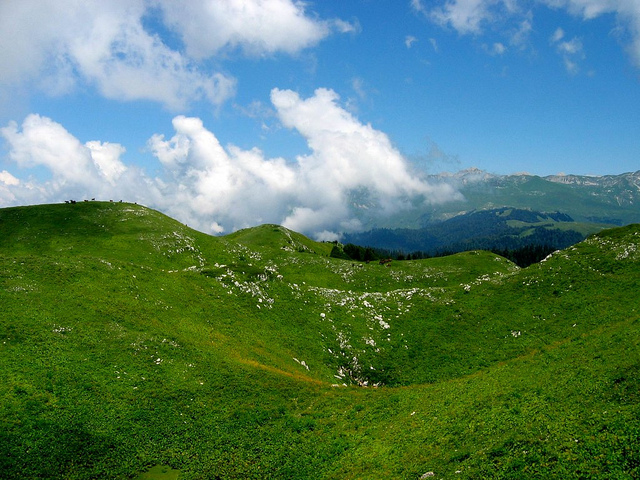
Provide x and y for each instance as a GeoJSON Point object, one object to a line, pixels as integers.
{"type": "Point", "coordinates": [504, 212]}
{"type": "Point", "coordinates": [609, 199]}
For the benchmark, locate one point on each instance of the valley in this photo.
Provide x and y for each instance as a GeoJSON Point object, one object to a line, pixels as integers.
{"type": "Point", "coordinates": [131, 343]}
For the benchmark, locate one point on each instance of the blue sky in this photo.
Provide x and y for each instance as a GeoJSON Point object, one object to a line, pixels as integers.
{"type": "Point", "coordinates": [229, 113]}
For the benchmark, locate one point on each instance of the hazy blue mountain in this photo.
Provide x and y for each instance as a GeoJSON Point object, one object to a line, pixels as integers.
{"type": "Point", "coordinates": [611, 199]}
{"type": "Point", "coordinates": [505, 212]}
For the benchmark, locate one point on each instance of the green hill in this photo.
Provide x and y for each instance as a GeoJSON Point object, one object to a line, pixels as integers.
{"type": "Point", "coordinates": [132, 345]}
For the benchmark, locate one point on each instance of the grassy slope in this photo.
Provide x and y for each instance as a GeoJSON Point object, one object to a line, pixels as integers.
{"type": "Point", "coordinates": [128, 340]}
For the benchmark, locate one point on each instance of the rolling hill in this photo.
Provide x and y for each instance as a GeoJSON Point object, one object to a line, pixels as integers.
{"type": "Point", "coordinates": [134, 347]}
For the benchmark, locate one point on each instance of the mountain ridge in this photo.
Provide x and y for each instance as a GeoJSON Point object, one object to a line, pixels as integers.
{"type": "Point", "coordinates": [614, 193]}
{"type": "Point", "coordinates": [592, 203]}
{"type": "Point", "coordinates": [608, 199]}
{"type": "Point", "coordinates": [502, 229]}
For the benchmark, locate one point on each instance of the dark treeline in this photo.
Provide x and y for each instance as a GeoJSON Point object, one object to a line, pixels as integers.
{"type": "Point", "coordinates": [527, 255]}
{"type": "Point", "coordinates": [523, 251]}
{"type": "Point", "coordinates": [498, 229]}
{"type": "Point", "coordinates": [361, 254]}
{"type": "Point", "coordinates": [513, 233]}
{"type": "Point", "coordinates": [351, 251]}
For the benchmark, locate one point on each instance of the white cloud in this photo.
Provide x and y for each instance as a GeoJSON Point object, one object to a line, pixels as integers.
{"type": "Point", "coordinates": [572, 47]}
{"type": "Point", "coordinates": [345, 152]}
{"type": "Point", "coordinates": [256, 26]}
{"type": "Point", "coordinates": [106, 157]}
{"type": "Point", "coordinates": [219, 188]}
{"type": "Point", "coordinates": [237, 188]}
{"type": "Point", "coordinates": [571, 51]}
{"type": "Point", "coordinates": [409, 40]}
{"type": "Point", "coordinates": [43, 142]}
{"type": "Point", "coordinates": [466, 16]}
{"type": "Point", "coordinates": [590, 8]}
{"type": "Point", "coordinates": [557, 35]}
{"type": "Point", "coordinates": [346, 156]}
{"type": "Point", "coordinates": [418, 6]}
{"type": "Point", "coordinates": [8, 179]}
{"type": "Point", "coordinates": [497, 48]}
{"type": "Point", "coordinates": [342, 26]}
{"type": "Point", "coordinates": [475, 16]}
{"type": "Point", "coordinates": [519, 35]}
{"type": "Point", "coordinates": [56, 46]}
{"type": "Point", "coordinates": [103, 44]}
{"type": "Point", "coordinates": [73, 169]}
{"type": "Point", "coordinates": [232, 187]}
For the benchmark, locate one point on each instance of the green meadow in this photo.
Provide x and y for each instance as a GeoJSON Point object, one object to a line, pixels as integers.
{"type": "Point", "coordinates": [133, 347]}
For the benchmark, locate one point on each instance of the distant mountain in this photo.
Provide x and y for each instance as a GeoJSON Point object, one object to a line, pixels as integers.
{"type": "Point", "coordinates": [507, 211]}
{"type": "Point", "coordinates": [609, 199]}
{"type": "Point", "coordinates": [495, 229]}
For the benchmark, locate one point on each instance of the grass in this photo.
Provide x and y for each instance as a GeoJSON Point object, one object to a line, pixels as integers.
{"type": "Point", "coordinates": [131, 344]}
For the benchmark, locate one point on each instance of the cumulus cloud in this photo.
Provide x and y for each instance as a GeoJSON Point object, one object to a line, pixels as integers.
{"type": "Point", "coordinates": [43, 142]}
{"type": "Point", "coordinates": [8, 179]}
{"type": "Point", "coordinates": [256, 27]}
{"type": "Point", "coordinates": [103, 44]}
{"type": "Point", "coordinates": [8, 184]}
{"type": "Point", "coordinates": [106, 157]}
{"type": "Point", "coordinates": [108, 45]}
{"type": "Point", "coordinates": [345, 152]}
{"type": "Point", "coordinates": [347, 158]}
{"type": "Point", "coordinates": [217, 188]}
{"type": "Point", "coordinates": [474, 16]}
{"type": "Point", "coordinates": [225, 188]}
{"type": "Point", "coordinates": [58, 166]}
